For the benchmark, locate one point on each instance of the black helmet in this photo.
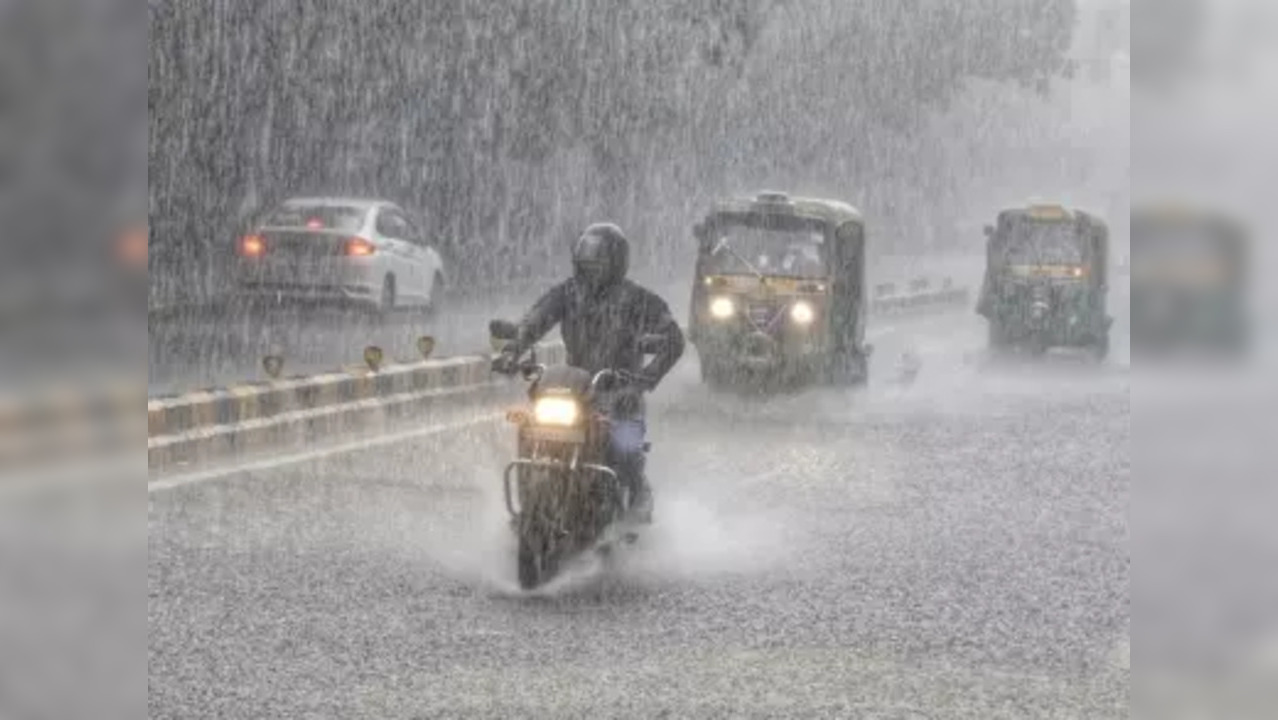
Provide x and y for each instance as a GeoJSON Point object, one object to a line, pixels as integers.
{"type": "Point", "coordinates": [601, 256]}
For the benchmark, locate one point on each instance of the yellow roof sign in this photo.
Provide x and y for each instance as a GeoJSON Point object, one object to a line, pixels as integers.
{"type": "Point", "coordinates": [1048, 212]}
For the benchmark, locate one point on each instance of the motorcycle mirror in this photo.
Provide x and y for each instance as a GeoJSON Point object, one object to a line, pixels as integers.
{"type": "Point", "coordinates": [503, 330]}
{"type": "Point", "coordinates": [373, 357]}
{"type": "Point", "coordinates": [652, 344]}
{"type": "Point", "coordinates": [426, 346]}
{"type": "Point", "coordinates": [273, 365]}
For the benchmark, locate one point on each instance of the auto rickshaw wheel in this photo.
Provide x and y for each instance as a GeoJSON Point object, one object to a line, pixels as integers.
{"type": "Point", "coordinates": [852, 372]}
{"type": "Point", "coordinates": [1100, 348]}
{"type": "Point", "coordinates": [1037, 345]}
{"type": "Point", "coordinates": [714, 374]}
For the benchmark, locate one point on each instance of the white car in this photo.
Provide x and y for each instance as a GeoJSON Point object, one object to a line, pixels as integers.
{"type": "Point", "coordinates": [364, 252]}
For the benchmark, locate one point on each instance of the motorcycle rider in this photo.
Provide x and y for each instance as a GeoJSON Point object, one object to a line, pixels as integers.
{"type": "Point", "coordinates": [602, 316]}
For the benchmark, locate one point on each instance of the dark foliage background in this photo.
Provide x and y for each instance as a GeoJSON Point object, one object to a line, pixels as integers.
{"type": "Point", "coordinates": [507, 124]}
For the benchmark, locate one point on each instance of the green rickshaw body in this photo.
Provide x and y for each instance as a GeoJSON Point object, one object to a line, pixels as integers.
{"type": "Point", "coordinates": [779, 292]}
{"type": "Point", "coordinates": [1046, 280]}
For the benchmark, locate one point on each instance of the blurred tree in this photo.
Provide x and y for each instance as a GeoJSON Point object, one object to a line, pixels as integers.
{"type": "Point", "coordinates": [508, 123]}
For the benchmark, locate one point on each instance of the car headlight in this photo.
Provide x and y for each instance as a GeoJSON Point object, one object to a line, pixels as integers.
{"type": "Point", "coordinates": [722, 308]}
{"type": "Point", "coordinates": [555, 411]}
{"type": "Point", "coordinates": [802, 313]}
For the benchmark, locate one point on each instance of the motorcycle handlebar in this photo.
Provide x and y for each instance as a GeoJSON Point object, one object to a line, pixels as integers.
{"type": "Point", "coordinates": [607, 379]}
{"type": "Point", "coordinates": [622, 378]}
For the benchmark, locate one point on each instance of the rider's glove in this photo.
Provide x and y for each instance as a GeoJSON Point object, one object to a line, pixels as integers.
{"type": "Point", "coordinates": [642, 383]}
{"type": "Point", "coordinates": [507, 363]}
{"type": "Point", "coordinates": [628, 401]}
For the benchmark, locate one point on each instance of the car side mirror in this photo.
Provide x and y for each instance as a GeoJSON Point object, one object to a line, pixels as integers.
{"type": "Point", "coordinates": [989, 232]}
{"type": "Point", "coordinates": [652, 344]}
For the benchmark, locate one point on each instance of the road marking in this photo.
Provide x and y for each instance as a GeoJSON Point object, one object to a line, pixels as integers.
{"type": "Point", "coordinates": [176, 481]}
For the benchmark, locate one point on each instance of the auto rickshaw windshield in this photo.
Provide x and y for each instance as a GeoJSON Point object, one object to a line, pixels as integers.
{"type": "Point", "coordinates": [768, 251]}
{"type": "Point", "coordinates": [1039, 243]}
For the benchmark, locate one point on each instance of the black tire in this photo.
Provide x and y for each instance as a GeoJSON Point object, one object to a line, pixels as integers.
{"type": "Point", "coordinates": [538, 564]}
{"type": "Point", "coordinates": [714, 374]}
{"type": "Point", "coordinates": [859, 371]}
{"type": "Point", "coordinates": [438, 289]}
{"type": "Point", "coordinates": [1100, 348]}
{"type": "Point", "coordinates": [1037, 346]}
{"type": "Point", "coordinates": [852, 372]}
{"type": "Point", "coordinates": [529, 567]}
{"type": "Point", "coordinates": [386, 304]}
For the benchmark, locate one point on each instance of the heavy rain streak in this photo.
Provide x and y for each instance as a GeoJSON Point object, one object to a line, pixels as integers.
{"type": "Point", "coordinates": [730, 358]}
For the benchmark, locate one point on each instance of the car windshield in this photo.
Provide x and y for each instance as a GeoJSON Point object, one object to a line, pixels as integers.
{"type": "Point", "coordinates": [791, 252]}
{"type": "Point", "coordinates": [1044, 244]}
{"type": "Point", "coordinates": [318, 217]}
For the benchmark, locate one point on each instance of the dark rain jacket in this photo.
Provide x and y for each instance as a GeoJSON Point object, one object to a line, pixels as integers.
{"type": "Point", "coordinates": [602, 331]}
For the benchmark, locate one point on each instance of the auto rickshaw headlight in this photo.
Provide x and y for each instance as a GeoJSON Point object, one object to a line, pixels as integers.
{"type": "Point", "coordinates": [722, 308]}
{"type": "Point", "coordinates": [558, 411]}
{"type": "Point", "coordinates": [802, 313]}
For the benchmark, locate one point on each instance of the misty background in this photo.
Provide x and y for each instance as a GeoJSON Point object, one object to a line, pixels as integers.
{"type": "Point", "coordinates": [506, 126]}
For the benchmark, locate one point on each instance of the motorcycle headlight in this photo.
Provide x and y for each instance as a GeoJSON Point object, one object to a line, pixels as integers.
{"type": "Point", "coordinates": [722, 308]}
{"type": "Point", "coordinates": [556, 411]}
{"type": "Point", "coordinates": [802, 313]}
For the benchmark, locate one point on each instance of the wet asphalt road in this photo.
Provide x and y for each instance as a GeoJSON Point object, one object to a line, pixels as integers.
{"type": "Point", "coordinates": [957, 548]}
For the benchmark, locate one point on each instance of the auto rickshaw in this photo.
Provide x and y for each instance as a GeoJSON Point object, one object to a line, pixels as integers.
{"type": "Point", "coordinates": [1189, 281]}
{"type": "Point", "coordinates": [1046, 280]}
{"type": "Point", "coordinates": [779, 295]}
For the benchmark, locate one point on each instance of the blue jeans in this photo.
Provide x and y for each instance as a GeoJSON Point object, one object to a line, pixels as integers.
{"type": "Point", "coordinates": [626, 449]}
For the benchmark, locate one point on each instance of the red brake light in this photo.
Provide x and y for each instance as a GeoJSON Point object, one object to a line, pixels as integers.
{"type": "Point", "coordinates": [252, 246]}
{"type": "Point", "coordinates": [359, 247]}
{"type": "Point", "coordinates": [314, 224]}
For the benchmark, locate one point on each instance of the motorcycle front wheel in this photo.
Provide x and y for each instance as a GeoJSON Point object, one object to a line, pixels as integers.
{"type": "Point", "coordinates": [537, 563]}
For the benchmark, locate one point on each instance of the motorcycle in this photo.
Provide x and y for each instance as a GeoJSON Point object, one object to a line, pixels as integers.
{"type": "Point", "coordinates": [563, 496]}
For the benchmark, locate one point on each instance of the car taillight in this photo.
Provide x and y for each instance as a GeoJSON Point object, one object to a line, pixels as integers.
{"type": "Point", "coordinates": [252, 246]}
{"type": "Point", "coordinates": [359, 247]}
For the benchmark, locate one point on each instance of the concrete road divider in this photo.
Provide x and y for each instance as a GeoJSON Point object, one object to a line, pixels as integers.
{"type": "Point", "coordinates": [226, 424]}
{"type": "Point", "coordinates": [920, 298]}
